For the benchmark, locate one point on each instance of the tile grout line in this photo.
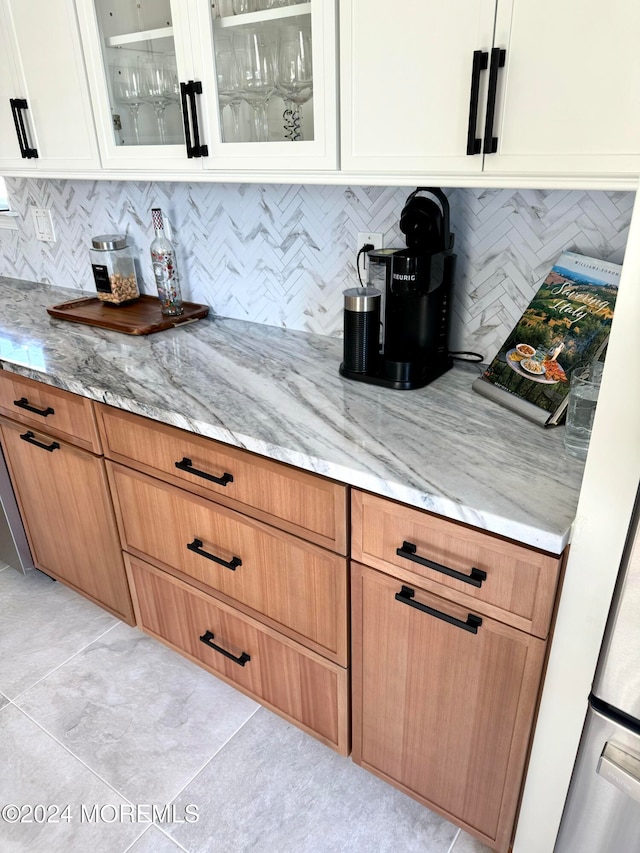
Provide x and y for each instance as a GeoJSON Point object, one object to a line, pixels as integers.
{"type": "Point", "coordinates": [217, 752]}
{"type": "Point", "coordinates": [64, 662]}
{"type": "Point", "coordinates": [77, 757]}
{"type": "Point", "coordinates": [168, 837]}
{"type": "Point", "coordinates": [199, 771]}
{"type": "Point", "coordinates": [455, 838]}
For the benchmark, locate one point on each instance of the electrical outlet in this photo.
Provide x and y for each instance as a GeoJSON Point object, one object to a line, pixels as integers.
{"type": "Point", "coordinates": [43, 224]}
{"type": "Point", "coordinates": [374, 237]}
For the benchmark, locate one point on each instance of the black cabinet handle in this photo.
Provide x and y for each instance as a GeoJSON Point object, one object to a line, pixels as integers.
{"type": "Point", "coordinates": [196, 547]}
{"type": "Point", "coordinates": [186, 465]}
{"type": "Point", "coordinates": [498, 57]}
{"type": "Point", "coordinates": [405, 596]}
{"type": "Point", "coordinates": [23, 403]}
{"type": "Point", "coordinates": [17, 105]}
{"type": "Point", "coordinates": [408, 551]}
{"type": "Point", "coordinates": [31, 439]}
{"type": "Point", "coordinates": [190, 90]}
{"type": "Point", "coordinates": [480, 63]}
{"type": "Point", "coordinates": [208, 636]}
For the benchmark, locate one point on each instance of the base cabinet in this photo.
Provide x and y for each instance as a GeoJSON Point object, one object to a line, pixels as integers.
{"type": "Point", "coordinates": [444, 701]}
{"type": "Point", "coordinates": [66, 508]}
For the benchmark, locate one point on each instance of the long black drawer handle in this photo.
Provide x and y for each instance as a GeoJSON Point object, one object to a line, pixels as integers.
{"type": "Point", "coordinates": [187, 465]}
{"type": "Point", "coordinates": [23, 403]}
{"type": "Point", "coordinates": [480, 63]}
{"type": "Point", "coordinates": [208, 636]}
{"type": "Point", "coordinates": [30, 437]}
{"type": "Point", "coordinates": [196, 547]}
{"type": "Point", "coordinates": [408, 551]}
{"type": "Point", "coordinates": [498, 57]}
{"type": "Point", "coordinates": [405, 596]}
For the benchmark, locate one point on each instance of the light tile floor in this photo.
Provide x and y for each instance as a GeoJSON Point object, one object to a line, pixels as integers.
{"type": "Point", "coordinates": [99, 724]}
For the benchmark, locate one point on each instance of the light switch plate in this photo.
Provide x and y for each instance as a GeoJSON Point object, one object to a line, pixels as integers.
{"type": "Point", "coordinates": [43, 224]}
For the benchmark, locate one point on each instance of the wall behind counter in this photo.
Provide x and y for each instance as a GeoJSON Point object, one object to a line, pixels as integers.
{"type": "Point", "coordinates": [282, 255]}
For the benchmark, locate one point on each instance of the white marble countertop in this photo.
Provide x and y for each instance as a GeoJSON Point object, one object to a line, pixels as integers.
{"type": "Point", "coordinates": [278, 393]}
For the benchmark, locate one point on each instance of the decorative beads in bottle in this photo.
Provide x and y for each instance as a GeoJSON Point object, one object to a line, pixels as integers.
{"type": "Point", "coordinates": [164, 268]}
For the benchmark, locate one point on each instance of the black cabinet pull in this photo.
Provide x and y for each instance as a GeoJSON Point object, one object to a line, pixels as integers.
{"type": "Point", "coordinates": [208, 636]}
{"type": "Point", "coordinates": [185, 119]}
{"type": "Point", "coordinates": [190, 90]}
{"type": "Point", "coordinates": [23, 403]}
{"type": "Point", "coordinates": [31, 439]}
{"type": "Point", "coordinates": [405, 596]}
{"type": "Point", "coordinates": [19, 125]}
{"type": "Point", "coordinates": [480, 63]}
{"type": "Point", "coordinates": [408, 551]}
{"type": "Point", "coordinates": [196, 547]}
{"type": "Point", "coordinates": [17, 105]}
{"type": "Point", "coordinates": [498, 57]}
{"type": "Point", "coordinates": [186, 465]}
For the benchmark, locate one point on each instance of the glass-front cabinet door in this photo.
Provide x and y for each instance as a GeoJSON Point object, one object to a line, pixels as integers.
{"type": "Point", "coordinates": [272, 66]}
{"type": "Point", "coordinates": [192, 85]}
{"type": "Point", "coordinates": [140, 64]}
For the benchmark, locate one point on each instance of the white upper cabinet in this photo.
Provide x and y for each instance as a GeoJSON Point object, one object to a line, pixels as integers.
{"type": "Point", "coordinates": [406, 75]}
{"type": "Point", "coordinates": [568, 98]}
{"type": "Point", "coordinates": [429, 87]}
{"type": "Point", "coordinates": [45, 111]}
{"type": "Point", "coordinates": [190, 85]}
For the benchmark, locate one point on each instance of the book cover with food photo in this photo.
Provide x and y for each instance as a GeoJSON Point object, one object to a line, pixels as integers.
{"type": "Point", "coordinates": [564, 328]}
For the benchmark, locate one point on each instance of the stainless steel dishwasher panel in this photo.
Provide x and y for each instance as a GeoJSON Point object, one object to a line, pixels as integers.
{"type": "Point", "coordinates": [14, 548]}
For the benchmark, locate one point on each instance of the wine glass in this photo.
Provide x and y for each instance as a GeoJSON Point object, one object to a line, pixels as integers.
{"type": "Point", "coordinates": [255, 51]}
{"type": "Point", "coordinates": [240, 7]}
{"type": "Point", "coordinates": [155, 88]}
{"type": "Point", "coordinates": [295, 76]}
{"type": "Point", "coordinates": [127, 89]}
{"type": "Point", "coordinates": [229, 93]}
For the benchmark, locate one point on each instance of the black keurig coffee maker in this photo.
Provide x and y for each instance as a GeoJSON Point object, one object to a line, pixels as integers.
{"type": "Point", "coordinates": [416, 305]}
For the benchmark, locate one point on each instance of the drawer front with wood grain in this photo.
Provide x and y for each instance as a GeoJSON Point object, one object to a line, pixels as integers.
{"type": "Point", "coordinates": [64, 500]}
{"type": "Point", "coordinates": [296, 587]}
{"type": "Point", "coordinates": [44, 407]}
{"type": "Point", "coordinates": [305, 504]}
{"type": "Point", "coordinates": [444, 701]}
{"type": "Point", "coordinates": [507, 581]}
{"type": "Point", "coordinates": [289, 679]}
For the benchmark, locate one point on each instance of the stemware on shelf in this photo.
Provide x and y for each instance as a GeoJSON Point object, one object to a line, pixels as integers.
{"type": "Point", "coordinates": [255, 52]}
{"type": "Point", "coordinates": [295, 76]}
{"type": "Point", "coordinates": [229, 85]}
{"type": "Point", "coordinates": [240, 7]}
{"type": "Point", "coordinates": [155, 88]}
{"type": "Point", "coordinates": [127, 89]}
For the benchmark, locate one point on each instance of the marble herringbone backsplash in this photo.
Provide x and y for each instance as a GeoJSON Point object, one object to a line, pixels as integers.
{"type": "Point", "coordinates": [282, 255]}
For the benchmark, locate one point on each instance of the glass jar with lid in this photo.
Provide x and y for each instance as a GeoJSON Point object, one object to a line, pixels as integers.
{"type": "Point", "coordinates": [113, 268]}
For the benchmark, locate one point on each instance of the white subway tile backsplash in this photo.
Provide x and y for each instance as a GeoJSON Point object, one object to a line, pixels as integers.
{"type": "Point", "coordinates": [282, 255]}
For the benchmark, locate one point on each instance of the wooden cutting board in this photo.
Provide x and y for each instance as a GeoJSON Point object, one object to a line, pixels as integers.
{"type": "Point", "coordinates": [141, 317]}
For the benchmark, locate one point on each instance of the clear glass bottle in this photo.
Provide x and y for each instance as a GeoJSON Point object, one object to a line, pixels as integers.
{"type": "Point", "coordinates": [164, 268]}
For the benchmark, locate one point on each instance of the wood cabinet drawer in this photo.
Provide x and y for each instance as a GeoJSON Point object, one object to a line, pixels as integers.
{"type": "Point", "coordinates": [443, 702]}
{"type": "Point", "coordinates": [59, 412]}
{"type": "Point", "coordinates": [64, 501]}
{"type": "Point", "coordinates": [305, 504]}
{"type": "Point", "coordinates": [296, 587]}
{"type": "Point", "coordinates": [520, 583]}
{"type": "Point", "coordinates": [289, 679]}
